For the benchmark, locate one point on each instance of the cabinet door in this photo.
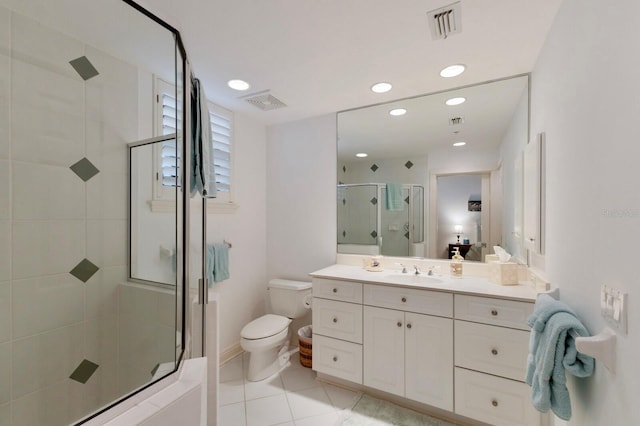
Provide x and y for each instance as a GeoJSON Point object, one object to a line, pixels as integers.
{"type": "Point", "coordinates": [429, 360]}
{"type": "Point", "coordinates": [384, 349]}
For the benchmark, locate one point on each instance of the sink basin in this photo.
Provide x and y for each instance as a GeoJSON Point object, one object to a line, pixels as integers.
{"type": "Point", "coordinates": [409, 278]}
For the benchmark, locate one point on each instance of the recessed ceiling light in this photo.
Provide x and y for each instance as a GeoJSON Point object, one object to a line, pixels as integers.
{"type": "Point", "coordinates": [238, 84]}
{"type": "Point", "coordinates": [455, 101]}
{"type": "Point", "coordinates": [362, 154]}
{"type": "Point", "coordinates": [459, 144]}
{"type": "Point", "coordinates": [398, 111]}
{"type": "Point", "coordinates": [452, 70]}
{"type": "Point", "coordinates": [381, 87]}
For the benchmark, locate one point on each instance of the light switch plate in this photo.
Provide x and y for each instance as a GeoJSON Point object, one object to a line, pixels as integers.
{"type": "Point", "coordinates": [613, 305]}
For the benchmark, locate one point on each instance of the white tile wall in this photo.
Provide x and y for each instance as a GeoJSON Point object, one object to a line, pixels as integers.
{"type": "Point", "coordinates": [5, 311]}
{"type": "Point", "coordinates": [5, 414]}
{"type": "Point", "coordinates": [54, 405]}
{"type": "Point", "coordinates": [59, 299]}
{"type": "Point", "coordinates": [45, 359]}
{"type": "Point", "coordinates": [5, 32]}
{"type": "Point", "coordinates": [48, 116]}
{"type": "Point", "coordinates": [5, 373]}
{"type": "Point", "coordinates": [104, 194]}
{"type": "Point", "coordinates": [48, 49]}
{"type": "Point", "coordinates": [102, 292]}
{"type": "Point", "coordinates": [46, 192]}
{"type": "Point", "coordinates": [5, 251]}
{"type": "Point", "coordinates": [105, 242]}
{"type": "Point", "coordinates": [46, 247]}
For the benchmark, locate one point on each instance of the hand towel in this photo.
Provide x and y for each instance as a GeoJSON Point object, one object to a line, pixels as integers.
{"type": "Point", "coordinates": [217, 263]}
{"type": "Point", "coordinates": [202, 170]}
{"type": "Point", "coordinates": [394, 197]}
{"type": "Point", "coordinates": [552, 353]}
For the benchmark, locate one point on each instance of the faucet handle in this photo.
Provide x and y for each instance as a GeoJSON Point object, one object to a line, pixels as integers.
{"type": "Point", "coordinates": [404, 269]}
{"type": "Point", "coordinates": [431, 268]}
{"type": "Point", "coordinates": [417, 269]}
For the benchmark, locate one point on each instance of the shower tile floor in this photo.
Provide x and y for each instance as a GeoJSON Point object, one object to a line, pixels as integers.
{"type": "Point", "coordinates": [292, 397]}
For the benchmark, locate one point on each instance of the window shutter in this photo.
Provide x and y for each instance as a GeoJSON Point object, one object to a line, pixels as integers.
{"type": "Point", "coordinates": [221, 152]}
{"type": "Point", "coordinates": [170, 157]}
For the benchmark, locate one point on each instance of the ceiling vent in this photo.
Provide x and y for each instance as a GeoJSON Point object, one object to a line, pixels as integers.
{"type": "Point", "coordinates": [264, 100]}
{"type": "Point", "coordinates": [445, 21]}
{"type": "Point", "coordinates": [456, 121]}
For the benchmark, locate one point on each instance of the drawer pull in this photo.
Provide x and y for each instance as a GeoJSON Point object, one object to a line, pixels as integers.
{"type": "Point", "coordinates": [335, 358]}
{"type": "Point", "coordinates": [494, 351]}
{"type": "Point", "coordinates": [409, 325]}
{"type": "Point", "coordinates": [335, 290]}
{"type": "Point", "coordinates": [494, 402]}
{"type": "Point", "coordinates": [335, 320]}
{"type": "Point", "coordinates": [399, 324]}
{"type": "Point", "coordinates": [494, 312]}
{"type": "Point", "coordinates": [404, 299]}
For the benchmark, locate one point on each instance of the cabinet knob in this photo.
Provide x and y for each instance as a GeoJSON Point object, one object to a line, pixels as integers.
{"type": "Point", "coordinates": [494, 402]}
{"type": "Point", "coordinates": [404, 299]}
{"type": "Point", "coordinates": [335, 358]}
{"type": "Point", "coordinates": [335, 319]}
{"type": "Point", "coordinates": [494, 312]}
{"type": "Point", "coordinates": [409, 325]}
{"type": "Point", "coordinates": [494, 351]}
{"type": "Point", "coordinates": [335, 290]}
{"type": "Point", "coordinates": [399, 324]}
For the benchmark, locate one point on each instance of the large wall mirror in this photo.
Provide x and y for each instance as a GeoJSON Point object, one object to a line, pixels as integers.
{"type": "Point", "coordinates": [423, 176]}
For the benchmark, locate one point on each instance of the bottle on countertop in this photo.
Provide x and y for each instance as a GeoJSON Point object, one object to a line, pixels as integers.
{"type": "Point", "coordinates": [456, 263]}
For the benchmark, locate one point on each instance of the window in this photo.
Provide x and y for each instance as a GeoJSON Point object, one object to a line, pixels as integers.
{"type": "Point", "coordinates": [167, 121]}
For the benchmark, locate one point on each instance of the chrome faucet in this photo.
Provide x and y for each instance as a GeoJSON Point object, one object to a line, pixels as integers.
{"type": "Point", "coordinates": [417, 270]}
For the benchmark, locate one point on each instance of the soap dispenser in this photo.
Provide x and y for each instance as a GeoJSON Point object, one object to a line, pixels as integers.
{"type": "Point", "coordinates": [456, 263]}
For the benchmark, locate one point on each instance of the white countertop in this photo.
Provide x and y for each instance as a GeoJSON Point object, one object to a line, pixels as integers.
{"type": "Point", "coordinates": [471, 285]}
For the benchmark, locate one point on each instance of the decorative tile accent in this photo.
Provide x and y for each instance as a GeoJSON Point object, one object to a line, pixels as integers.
{"type": "Point", "coordinates": [374, 201]}
{"type": "Point", "coordinates": [406, 200]}
{"type": "Point", "coordinates": [344, 201]}
{"type": "Point", "coordinates": [344, 234]}
{"type": "Point", "coordinates": [84, 371]}
{"type": "Point", "coordinates": [406, 235]}
{"type": "Point", "coordinates": [84, 68]}
{"type": "Point", "coordinates": [340, 182]}
{"type": "Point", "coordinates": [374, 168]}
{"type": "Point", "coordinates": [84, 169]}
{"type": "Point", "coordinates": [344, 169]}
{"type": "Point", "coordinates": [153, 371]}
{"type": "Point", "coordinates": [408, 164]}
{"type": "Point", "coordinates": [84, 270]}
{"type": "Point", "coordinates": [374, 234]}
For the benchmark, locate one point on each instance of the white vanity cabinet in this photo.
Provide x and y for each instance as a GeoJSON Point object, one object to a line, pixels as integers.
{"type": "Point", "coordinates": [491, 347]}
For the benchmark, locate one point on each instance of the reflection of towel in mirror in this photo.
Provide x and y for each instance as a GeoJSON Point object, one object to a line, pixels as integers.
{"type": "Point", "coordinates": [394, 197]}
{"type": "Point", "coordinates": [552, 351]}
{"type": "Point", "coordinates": [217, 263]}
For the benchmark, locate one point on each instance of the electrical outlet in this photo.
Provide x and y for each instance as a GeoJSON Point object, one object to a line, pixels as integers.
{"type": "Point", "coordinates": [613, 306]}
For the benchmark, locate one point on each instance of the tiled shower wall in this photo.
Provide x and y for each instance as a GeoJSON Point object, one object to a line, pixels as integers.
{"type": "Point", "coordinates": [63, 174]}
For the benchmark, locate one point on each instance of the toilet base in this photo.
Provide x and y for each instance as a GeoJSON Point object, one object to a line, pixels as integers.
{"type": "Point", "coordinates": [264, 364]}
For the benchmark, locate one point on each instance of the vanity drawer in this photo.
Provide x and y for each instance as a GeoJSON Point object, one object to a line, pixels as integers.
{"type": "Point", "coordinates": [337, 319]}
{"type": "Point", "coordinates": [337, 358]}
{"type": "Point", "coordinates": [506, 313]}
{"type": "Point", "coordinates": [345, 291]}
{"type": "Point", "coordinates": [494, 400]}
{"type": "Point", "coordinates": [490, 349]}
{"type": "Point", "coordinates": [411, 300]}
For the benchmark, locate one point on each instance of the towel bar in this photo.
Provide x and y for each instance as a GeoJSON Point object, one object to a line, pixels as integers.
{"type": "Point", "coordinates": [602, 346]}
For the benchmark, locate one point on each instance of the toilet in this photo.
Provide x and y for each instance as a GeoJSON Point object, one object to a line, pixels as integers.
{"type": "Point", "coordinates": [266, 339]}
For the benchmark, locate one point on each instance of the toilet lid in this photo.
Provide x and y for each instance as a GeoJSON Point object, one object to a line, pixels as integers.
{"type": "Point", "coordinates": [265, 326]}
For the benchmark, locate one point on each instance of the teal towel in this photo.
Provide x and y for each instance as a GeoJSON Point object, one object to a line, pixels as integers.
{"type": "Point", "coordinates": [394, 197]}
{"type": "Point", "coordinates": [217, 263]}
{"type": "Point", "coordinates": [552, 352]}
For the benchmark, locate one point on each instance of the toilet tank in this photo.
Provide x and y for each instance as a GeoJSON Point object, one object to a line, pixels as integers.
{"type": "Point", "coordinates": [289, 298]}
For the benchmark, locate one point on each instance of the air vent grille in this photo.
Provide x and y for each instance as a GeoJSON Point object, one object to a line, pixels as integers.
{"type": "Point", "coordinates": [456, 121]}
{"type": "Point", "coordinates": [445, 21]}
{"type": "Point", "coordinates": [264, 100]}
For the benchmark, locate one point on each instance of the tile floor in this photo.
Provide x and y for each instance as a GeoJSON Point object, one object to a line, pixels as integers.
{"type": "Point", "coordinates": [291, 398]}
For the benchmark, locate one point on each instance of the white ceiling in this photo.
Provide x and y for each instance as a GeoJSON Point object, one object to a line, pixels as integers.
{"type": "Point", "coordinates": [322, 56]}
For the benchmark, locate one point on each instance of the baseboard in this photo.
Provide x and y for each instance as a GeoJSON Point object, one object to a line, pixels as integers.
{"type": "Point", "coordinates": [230, 353]}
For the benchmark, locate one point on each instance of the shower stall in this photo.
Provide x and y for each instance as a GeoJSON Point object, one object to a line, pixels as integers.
{"type": "Point", "coordinates": [366, 224]}
{"type": "Point", "coordinates": [93, 287]}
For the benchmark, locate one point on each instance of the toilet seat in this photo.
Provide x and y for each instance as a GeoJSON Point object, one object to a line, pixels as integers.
{"type": "Point", "coordinates": [265, 326]}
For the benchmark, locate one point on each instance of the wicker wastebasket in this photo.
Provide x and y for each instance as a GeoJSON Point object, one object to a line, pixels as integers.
{"type": "Point", "coordinates": [304, 340]}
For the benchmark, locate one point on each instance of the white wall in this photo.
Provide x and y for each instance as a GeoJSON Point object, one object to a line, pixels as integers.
{"type": "Point", "coordinates": [586, 99]}
{"type": "Point", "coordinates": [301, 207]}
{"type": "Point", "coordinates": [242, 296]}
